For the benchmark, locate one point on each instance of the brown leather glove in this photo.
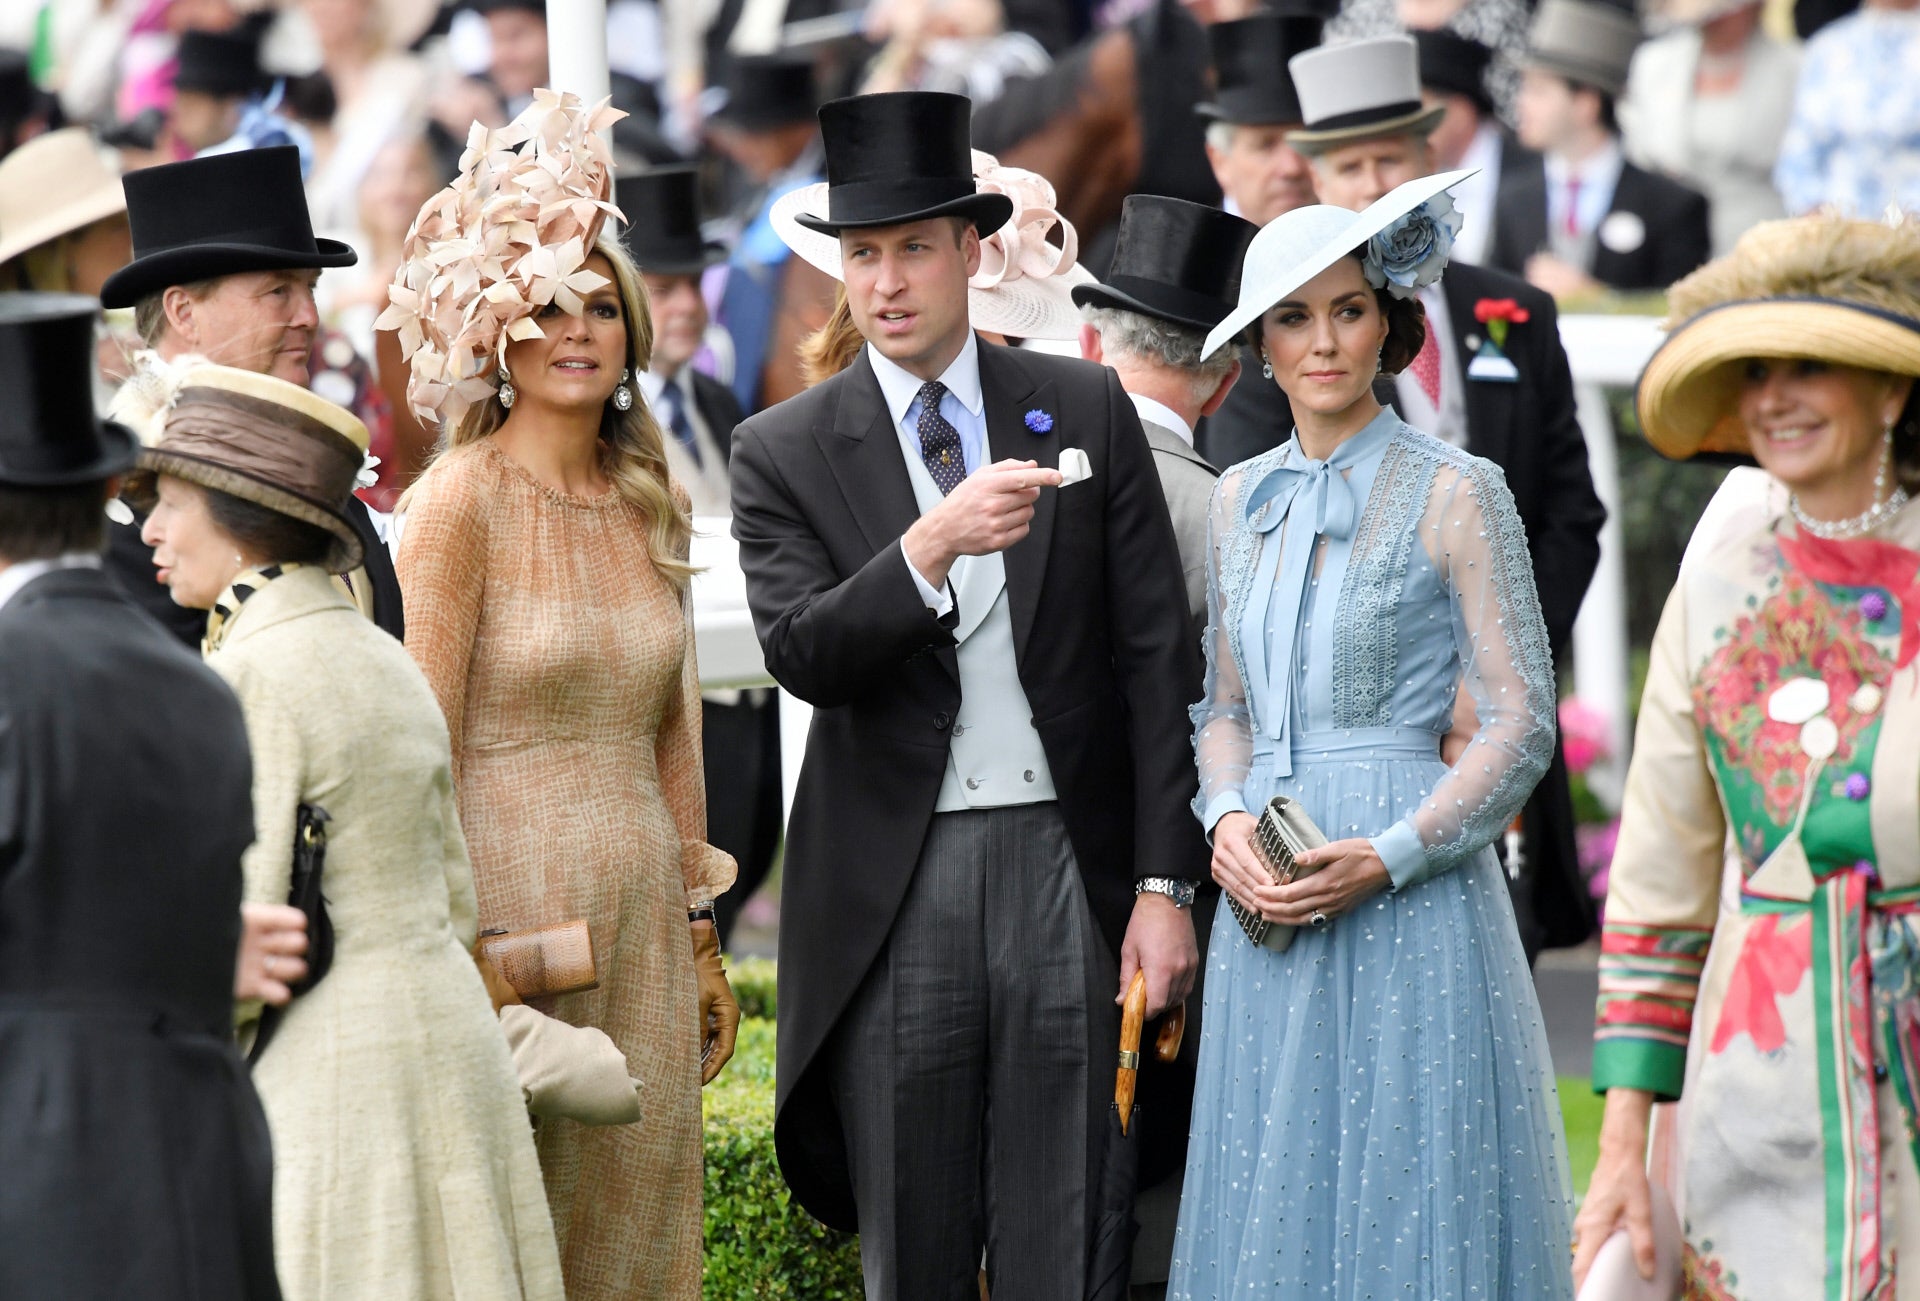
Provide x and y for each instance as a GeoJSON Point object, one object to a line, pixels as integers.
{"type": "Point", "coordinates": [719, 1011]}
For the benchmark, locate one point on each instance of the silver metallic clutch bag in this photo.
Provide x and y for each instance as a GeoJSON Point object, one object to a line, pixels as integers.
{"type": "Point", "coordinates": [1284, 831]}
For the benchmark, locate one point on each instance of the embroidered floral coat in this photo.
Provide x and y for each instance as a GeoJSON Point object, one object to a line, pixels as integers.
{"type": "Point", "coordinates": [1759, 954]}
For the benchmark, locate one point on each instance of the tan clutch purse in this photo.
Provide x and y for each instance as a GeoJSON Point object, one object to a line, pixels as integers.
{"type": "Point", "coordinates": [543, 961]}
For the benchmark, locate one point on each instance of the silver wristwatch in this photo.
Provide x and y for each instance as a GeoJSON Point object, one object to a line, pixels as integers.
{"type": "Point", "coordinates": [1181, 892]}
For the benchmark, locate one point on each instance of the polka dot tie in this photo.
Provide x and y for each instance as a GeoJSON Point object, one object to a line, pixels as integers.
{"type": "Point", "coordinates": [1426, 369]}
{"type": "Point", "coordinates": [940, 441]}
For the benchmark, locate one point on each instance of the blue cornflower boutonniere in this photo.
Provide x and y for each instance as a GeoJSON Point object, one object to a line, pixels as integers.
{"type": "Point", "coordinates": [1040, 422]}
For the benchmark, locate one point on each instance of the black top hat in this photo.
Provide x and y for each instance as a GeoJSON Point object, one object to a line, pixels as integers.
{"type": "Point", "coordinates": [1250, 68]}
{"type": "Point", "coordinates": [218, 216]}
{"type": "Point", "coordinates": [1456, 65]}
{"type": "Point", "coordinates": [219, 63]}
{"type": "Point", "coordinates": [49, 435]}
{"type": "Point", "coordinates": [662, 208]}
{"type": "Point", "coordinates": [903, 156]}
{"type": "Point", "coordinates": [497, 6]}
{"type": "Point", "coordinates": [767, 91]}
{"type": "Point", "coordinates": [1175, 261]}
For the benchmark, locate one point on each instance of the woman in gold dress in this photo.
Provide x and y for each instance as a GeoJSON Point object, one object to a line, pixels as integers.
{"type": "Point", "coordinates": [544, 562]}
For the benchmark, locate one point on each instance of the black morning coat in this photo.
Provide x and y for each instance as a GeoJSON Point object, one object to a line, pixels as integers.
{"type": "Point", "coordinates": [821, 500]}
{"type": "Point", "coordinates": [134, 1157]}
{"type": "Point", "coordinates": [1527, 428]}
{"type": "Point", "coordinates": [1675, 237]}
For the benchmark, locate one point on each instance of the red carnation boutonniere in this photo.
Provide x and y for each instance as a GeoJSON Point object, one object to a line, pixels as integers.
{"type": "Point", "coordinates": [1491, 362]}
{"type": "Point", "coordinates": [1496, 314]}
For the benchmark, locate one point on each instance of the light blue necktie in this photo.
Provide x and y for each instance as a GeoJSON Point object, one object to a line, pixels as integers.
{"type": "Point", "coordinates": [1317, 497]}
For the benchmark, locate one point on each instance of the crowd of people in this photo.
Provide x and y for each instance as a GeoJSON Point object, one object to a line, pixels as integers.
{"type": "Point", "coordinates": [1136, 421]}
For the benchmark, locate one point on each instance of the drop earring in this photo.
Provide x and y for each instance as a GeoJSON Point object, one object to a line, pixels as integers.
{"type": "Point", "coordinates": [507, 392]}
{"type": "Point", "coordinates": [1266, 366]}
{"type": "Point", "coordinates": [623, 396]}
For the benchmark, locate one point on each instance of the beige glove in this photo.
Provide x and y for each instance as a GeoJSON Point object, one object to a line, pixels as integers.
{"type": "Point", "coordinates": [569, 1070]}
{"type": "Point", "coordinates": [719, 1011]}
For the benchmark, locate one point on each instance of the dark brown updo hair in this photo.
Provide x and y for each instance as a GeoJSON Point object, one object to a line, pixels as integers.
{"type": "Point", "coordinates": [1406, 327]}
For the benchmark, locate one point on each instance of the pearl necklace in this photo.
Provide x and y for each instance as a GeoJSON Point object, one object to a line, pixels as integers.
{"type": "Point", "coordinates": [1855, 525]}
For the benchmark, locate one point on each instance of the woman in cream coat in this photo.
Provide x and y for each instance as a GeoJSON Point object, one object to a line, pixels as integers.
{"type": "Point", "coordinates": [404, 1165]}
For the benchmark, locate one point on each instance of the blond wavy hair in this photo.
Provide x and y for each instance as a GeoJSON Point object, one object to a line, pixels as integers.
{"type": "Point", "coordinates": [632, 448]}
{"type": "Point", "coordinates": [831, 348]}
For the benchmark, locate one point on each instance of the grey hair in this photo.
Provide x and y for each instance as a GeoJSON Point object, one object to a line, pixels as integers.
{"type": "Point", "coordinates": [150, 312]}
{"type": "Point", "coordinates": [1136, 337]}
{"type": "Point", "coordinates": [1220, 135]}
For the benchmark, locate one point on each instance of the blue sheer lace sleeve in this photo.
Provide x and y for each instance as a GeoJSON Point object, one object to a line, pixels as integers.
{"type": "Point", "coordinates": [1474, 536]}
{"type": "Point", "coordinates": [1222, 727]}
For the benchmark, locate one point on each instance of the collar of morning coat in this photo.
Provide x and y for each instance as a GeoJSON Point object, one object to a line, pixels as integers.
{"type": "Point", "coordinates": [900, 386]}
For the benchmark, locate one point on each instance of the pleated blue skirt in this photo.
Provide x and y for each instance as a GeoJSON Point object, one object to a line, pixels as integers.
{"type": "Point", "coordinates": [1375, 1113]}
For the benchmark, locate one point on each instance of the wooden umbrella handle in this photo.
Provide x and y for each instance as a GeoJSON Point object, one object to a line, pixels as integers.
{"type": "Point", "coordinates": [1173, 1032]}
{"type": "Point", "coordinates": [1133, 1017]}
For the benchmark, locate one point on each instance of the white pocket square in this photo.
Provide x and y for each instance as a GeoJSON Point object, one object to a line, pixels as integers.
{"type": "Point", "coordinates": [1074, 466]}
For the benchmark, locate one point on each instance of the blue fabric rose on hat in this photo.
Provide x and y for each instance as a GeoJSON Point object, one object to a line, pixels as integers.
{"type": "Point", "coordinates": [1411, 253]}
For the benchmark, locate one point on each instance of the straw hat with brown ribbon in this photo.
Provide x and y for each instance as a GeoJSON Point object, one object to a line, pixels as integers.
{"type": "Point", "coordinates": [1819, 288]}
{"type": "Point", "coordinates": [262, 440]}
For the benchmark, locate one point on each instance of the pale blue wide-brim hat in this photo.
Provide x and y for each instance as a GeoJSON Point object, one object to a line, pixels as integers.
{"type": "Point", "coordinates": [1296, 246]}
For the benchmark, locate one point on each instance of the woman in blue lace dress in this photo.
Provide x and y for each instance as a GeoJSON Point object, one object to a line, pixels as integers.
{"type": "Point", "coordinates": [1375, 1113]}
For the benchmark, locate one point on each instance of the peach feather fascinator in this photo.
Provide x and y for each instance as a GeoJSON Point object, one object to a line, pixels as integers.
{"type": "Point", "coordinates": [511, 234]}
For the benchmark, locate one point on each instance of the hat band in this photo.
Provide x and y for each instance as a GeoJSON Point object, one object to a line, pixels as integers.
{"type": "Point", "coordinates": [874, 200]}
{"type": "Point", "coordinates": [1176, 300]}
{"type": "Point", "coordinates": [1366, 116]}
{"type": "Point", "coordinates": [265, 441]}
{"type": "Point", "coordinates": [1273, 105]}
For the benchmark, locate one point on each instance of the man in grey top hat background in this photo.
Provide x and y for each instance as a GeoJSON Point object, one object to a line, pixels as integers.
{"type": "Point", "coordinates": [1175, 275]}
{"type": "Point", "coordinates": [1261, 176]}
{"type": "Point", "coordinates": [1367, 132]}
{"type": "Point", "coordinates": [1589, 220]}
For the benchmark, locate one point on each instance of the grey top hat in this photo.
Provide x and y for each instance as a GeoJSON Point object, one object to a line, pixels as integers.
{"type": "Point", "coordinates": [1357, 91]}
{"type": "Point", "coordinates": [1584, 41]}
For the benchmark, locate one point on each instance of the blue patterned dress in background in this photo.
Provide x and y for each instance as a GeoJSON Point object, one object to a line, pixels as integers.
{"type": "Point", "coordinates": [1375, 1113]}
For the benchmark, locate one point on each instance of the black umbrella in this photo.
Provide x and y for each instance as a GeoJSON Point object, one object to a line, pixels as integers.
{"type": "Point", "coordinates": [1110, 1261]}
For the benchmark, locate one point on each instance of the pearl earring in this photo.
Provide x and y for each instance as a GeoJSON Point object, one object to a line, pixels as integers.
{"type": "Point", "coordinates": [507, 392]}
{"type": "Point", "coordinates": [623, 396]}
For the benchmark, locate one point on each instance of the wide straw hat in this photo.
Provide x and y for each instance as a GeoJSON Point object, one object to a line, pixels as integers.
{"type": "Point", "coordinates": [262, 440]}
{"type": "Point", "coordinates": [53, 185]}
{"type": "Point", "coordinates": [1023, 288]}
{"type": "Point", "coordinates": [1820, 288]}
{"type": "Point", "coordinates": [1296, 246]}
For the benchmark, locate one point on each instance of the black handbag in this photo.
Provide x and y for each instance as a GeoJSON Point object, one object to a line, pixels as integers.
{"type": "Point", "coordinates": [309, 861]}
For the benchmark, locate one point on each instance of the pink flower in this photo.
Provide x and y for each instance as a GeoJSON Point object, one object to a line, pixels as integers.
{"type": "Point", "coordinates": [1583, 734]}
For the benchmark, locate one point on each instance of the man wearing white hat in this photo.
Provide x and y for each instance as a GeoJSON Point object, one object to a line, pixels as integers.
{"type": "Point", "coordinates": [1492, 377]}
{"type": "Point", "coordinates": [1590, 220]}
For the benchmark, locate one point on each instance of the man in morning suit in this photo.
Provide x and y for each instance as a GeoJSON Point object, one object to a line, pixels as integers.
{"type": "Point", "coordinates": [1511, 403]}
{"type": "Point", "coordinates": [1252, 112]}
{"type": "Point", "coordinates": [136, 1155]}
{"type": "Point", "coordinates": [224, 263]}
{"type": "Point", "coordinates": [993, 811]}
{"type": "Point", "coordinates": [1587, 219]}
{"type": "Point", "coordinates": [697, 413]}
{"type": "Point", "coordinates": [1175, 276]}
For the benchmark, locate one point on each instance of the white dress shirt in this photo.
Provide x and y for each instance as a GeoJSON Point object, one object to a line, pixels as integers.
{"type": "Point", "coordinates": [16, 576]}
{"type": "Point", "coordinates": [705, 480]}
{"type": "Point", "coordinates": [1159, 413]}
{"type": "Point", "coordinates": [965, 408]}
{"type": "Point", "coordinates": [1474, 197]}
{"type": "Point", "coordinates": [1599, 177]}
{"type": "Point", "coordinates": [1446, 419]}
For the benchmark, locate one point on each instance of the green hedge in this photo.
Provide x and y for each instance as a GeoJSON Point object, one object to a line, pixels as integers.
{"type": "Point", "coordinates": [760, 1246]}
{"type": "Point", "coordinates": [753, 984]}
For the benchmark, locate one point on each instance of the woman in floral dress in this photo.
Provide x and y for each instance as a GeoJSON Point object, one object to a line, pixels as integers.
{"type": "Point", "coordinates": [1760, 954]}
